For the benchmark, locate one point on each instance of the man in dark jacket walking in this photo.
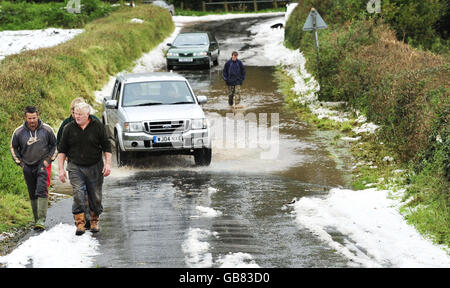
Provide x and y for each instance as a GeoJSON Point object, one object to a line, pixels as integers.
{"type": "Point", "coordinates": [234, 74]}
{"type": "Point", "coordinates": [58, 139]}
{"type": "Point", "coordinates": [83, 142]}
{"type": "Point", "coordinates": [33, 148]}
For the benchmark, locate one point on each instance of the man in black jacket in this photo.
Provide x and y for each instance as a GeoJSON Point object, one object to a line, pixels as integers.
{"type": "Point", "coordinates": [83, 142]}
{"type": "Point", "coordinates": [58, 138]}
{"type": "Point", "coordinates": [33, 148]}
{"type": "Point", "coordinates": [234, 74]}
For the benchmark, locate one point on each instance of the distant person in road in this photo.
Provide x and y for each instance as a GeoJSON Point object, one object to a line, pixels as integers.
{"type": "Point", "coordinates": [33, 148]}
{"type": "Point", "coordinates": [83, 142]}
{"type": "Point", "coordinates": [234, 74]}
{"type": "Point", "coordinates": [58, 139]}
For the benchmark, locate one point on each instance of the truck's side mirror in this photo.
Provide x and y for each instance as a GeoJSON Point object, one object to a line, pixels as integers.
{"type": "Point", "coordinates": [202, 99]}
{"type": "Point", "coordinates": [111, 104]}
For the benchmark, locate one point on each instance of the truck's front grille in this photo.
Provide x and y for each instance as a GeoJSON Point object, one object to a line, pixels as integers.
{"type": "Point", "coordinates": [164, 127]}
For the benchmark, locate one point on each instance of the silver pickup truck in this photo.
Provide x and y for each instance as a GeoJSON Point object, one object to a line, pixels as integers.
{"type": "Point", "coordinates": [159, 113]}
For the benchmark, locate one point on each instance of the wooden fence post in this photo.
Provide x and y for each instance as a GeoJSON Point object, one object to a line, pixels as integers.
{"type": "Point", "coordinates": [275, 4]}
{"type": "Point", "coordinates": [255, 5]}
{"type": "Point", "coordinates": [203, 6]}
{"type": "Point", "coordinates": [226, 6]}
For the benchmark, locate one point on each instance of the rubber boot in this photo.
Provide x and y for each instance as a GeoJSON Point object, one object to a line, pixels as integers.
{"type": "Point", "coordinates": [94, 223]}
{"type": "Point", "coordinates": [87, 216]}
{"type": "Point", "coordinates": [80, 222]}
{"type": "Point", "coordinates": [42, 205]}
{"type": "Point", "coordinates": [237, 97]}
{"type": "Point", "coordinates": [230, 100]}
{"type": "Point", "coordinates": [34, 208]}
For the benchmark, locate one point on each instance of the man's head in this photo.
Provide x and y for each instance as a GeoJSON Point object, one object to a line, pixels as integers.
{"type": "Point", "coordinates": [31, 117]}
{"type": "Point", "coordinates": [81, 113]}
{"type": "Point", "coordinates": [234, 55]}
{"type": "Point", "coordinates": [75, 102]}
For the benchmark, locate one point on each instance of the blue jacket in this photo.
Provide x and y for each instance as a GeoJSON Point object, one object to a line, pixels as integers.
{"type": "Point", "coordinates": [233, 72]}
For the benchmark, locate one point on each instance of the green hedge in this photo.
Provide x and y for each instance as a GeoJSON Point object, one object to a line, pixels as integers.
{"type": "Point", "coordinates": [51, 78]}
{"type": "Point", "coordinates": [403, 89]}
{"type": "Point", "coordinates": [420, 23]}
{"type": "Point", "coordinates": [27, 16]}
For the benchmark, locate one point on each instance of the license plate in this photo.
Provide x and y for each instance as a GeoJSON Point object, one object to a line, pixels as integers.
{"type": "Point", "coordinates": [167, 139]}
{"type": "Point", "coordinates": [185, 59]}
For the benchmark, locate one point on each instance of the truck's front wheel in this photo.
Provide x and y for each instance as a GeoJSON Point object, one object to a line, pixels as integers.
{"type": "Point", "coordinates": [203, 156]}
{"type": "Point", "coordinates": [121, 156]}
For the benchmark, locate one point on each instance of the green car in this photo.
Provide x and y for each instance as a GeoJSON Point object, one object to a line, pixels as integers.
{"type": "Point", "coordinates": [193, 49]}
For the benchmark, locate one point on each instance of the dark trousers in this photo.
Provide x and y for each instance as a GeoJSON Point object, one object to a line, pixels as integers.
{"type": "Point", "coordinates": [89, 179]}
{"type": "Point", "coordinates": [234, 93]}
{"type": "Point", "coordinates": [37, 178]}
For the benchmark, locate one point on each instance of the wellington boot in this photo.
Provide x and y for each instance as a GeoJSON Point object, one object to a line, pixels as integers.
{"type": "Point", "coordinates": [34, 208]}
{"type": "Point", "coordinates": [237, 98]}
{"type": "Point", "coordinates": [87, 215]}
{"type": "Point", "coordinates": [80, 222]}
{"type": "Point", "coordinates": [230, 100]}
{"type": "Point", "coordinates": [94, 223]}
{"type": "Point", "coordinates": [42, 205]}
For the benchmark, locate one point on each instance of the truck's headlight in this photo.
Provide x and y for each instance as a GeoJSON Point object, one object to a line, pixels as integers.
{"type": "Point", "coordinates": [133, 127]}
{"type": "Point", "coordinates": [201, 53]}
{"type": "Point", "coordinates": [172, 54]}
{"type": "Point", "coordinates": [199, 124]}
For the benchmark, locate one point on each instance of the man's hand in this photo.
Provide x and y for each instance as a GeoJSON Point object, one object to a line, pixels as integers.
{"type": "Point", "coordinates": [62, 172]}
{"type": "Point", "coordinates": [107, 168]}
{"type": "Point", "coordinates": [45, 163]}
{"type": "Point", "coordinates": [62, 175]}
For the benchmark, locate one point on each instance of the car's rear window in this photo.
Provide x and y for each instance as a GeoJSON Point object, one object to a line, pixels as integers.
{"type": "Point", "coordinates": [156, 93]}
{"type": "Point", "coordinates": [191, 39]}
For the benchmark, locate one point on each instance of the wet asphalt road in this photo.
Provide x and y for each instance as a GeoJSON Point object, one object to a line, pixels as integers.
{"type": "Point", "coordinates": [154, 211]}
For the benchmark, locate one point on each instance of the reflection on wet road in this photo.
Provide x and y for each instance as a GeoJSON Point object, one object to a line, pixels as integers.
{"type": "Point", "coordinates": [165, 212]}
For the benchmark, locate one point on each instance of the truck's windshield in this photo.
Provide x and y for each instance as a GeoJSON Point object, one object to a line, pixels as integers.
{"type": "Point", "coordinates": [156, 93]}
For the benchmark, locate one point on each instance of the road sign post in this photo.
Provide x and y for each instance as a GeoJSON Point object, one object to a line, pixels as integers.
{"type": "Point", "coordinates": [315, 22]}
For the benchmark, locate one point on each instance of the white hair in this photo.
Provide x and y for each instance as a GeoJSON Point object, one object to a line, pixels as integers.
{"type": "Point", "coordinates": [83, 108]}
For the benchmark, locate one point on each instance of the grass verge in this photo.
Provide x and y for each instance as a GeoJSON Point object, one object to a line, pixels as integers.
{"type": "Point", "coordinates": [425, 195]}
{"type": "Point", "coordinates": [51, 78]}
{"type": "Point", "coordinates": [402, 89]}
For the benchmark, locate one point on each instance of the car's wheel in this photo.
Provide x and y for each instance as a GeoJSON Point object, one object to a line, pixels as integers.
{"type": "Point", "coordinates": [169, 67]}
{"type": "Point", "coordinates": [209, 65]}
{"type": "Point", "coordinates": [121, 156]}
{"type": "Point", "coordinates": [203, 156]}
{"type": "Point", "coordinates": [216, 62]}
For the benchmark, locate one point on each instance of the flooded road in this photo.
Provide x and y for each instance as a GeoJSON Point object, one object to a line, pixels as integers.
{"type": "Point", "coordinates": [165, 212]}
{"type": "Point", "coordinates": [271, 197]}
{"type": "Point", "coordinates": [238, 212]}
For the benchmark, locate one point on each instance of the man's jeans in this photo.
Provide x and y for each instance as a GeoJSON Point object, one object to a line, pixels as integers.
{"type": "Point", "coordinates": [91, 179]}
{"type": "Point", "coordinates": [234, 92]}
{"type": "Point", "coordinates": [37, 178]}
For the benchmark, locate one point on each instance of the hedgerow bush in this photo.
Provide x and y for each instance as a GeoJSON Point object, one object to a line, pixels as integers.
{"type": "Point", "coordinates": [420, 23]}
{"type": "Point", "coordinates": [401, 88]}
{"type": "Point", "coordinates": [27, 16]}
